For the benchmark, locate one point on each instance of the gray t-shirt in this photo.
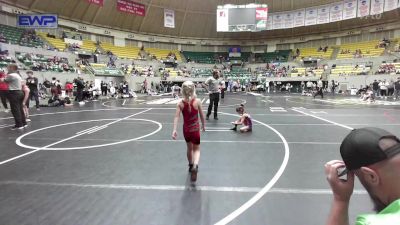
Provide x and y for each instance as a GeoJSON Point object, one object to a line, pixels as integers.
{"type": "Point", "coordinates": [14, 81]}
{"type": "Point", "coordinates": [213, 85]}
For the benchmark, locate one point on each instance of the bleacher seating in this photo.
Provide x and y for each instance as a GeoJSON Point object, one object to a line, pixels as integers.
{"type": "Point", "coordinates": [102, 69]}
{"type": "Point", "coordinates": [350, 70]}
{"type": "Point", "coordinates": [316, 53]}
{"type": "Point", "coordinates": [214, 57]}
{"type": "Point", "coordinates": [55, 42]}
{"type": "Point", "coordinates": [127, 52]}
{"type": "Point", "coordinates": [277, 56]}
{"type": "Point", "coordinates": [200, 57]}
{"type": "Point", "coordinates": [163, 53]}
{"type": "Point", "coordinates": [368, 49]}
{"type": "Point", "coordinates": [303, 71]}
{"type": "Point", "coordinates": [19, 36]}
{"type": "Point", "coordinates": [5, 60]}
{"type": "Point", "coordinates": [38, 62]}
{"type": "Point", "coordinates": [88, 45]}
{"type": "Point", "coordinates": [58, 43]}
{"type": "Point", "coordinates": [138, 70]}
{"type": "Point", "coordinates": [201, 72]}
{"type": "Point", "coordinates": [237, 73]}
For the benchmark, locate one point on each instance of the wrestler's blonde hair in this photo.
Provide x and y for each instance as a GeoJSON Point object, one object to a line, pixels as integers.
{"type": "Point", "coordinates": [188, 90]}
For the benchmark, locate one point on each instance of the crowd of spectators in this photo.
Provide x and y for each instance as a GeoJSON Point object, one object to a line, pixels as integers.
{"type": "Point", "coordinates": [386, 88]}
{"type": "Point", "coordinates": [273, 70]}
{"type": "Point", "coordinates": [387, 68]}
{"type": "Point", "coordinates": [42, 63]}
{"type": "Point", "coordinates": [29, 36]}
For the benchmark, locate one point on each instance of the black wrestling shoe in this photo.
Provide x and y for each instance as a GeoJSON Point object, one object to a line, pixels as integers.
{"type": "Point", "coordinates": [193, 173]}
{"type": "Point", "coordinates": [190, 167]}
{"type": "Point", "coordinates": [215, 118]}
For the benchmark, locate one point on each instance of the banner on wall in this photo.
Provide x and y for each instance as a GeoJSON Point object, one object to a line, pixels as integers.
{"type": "Point", "coordinates": [222, 20]}
{"type": "Point", "coordinates": [376, 7]}
{"type": "Point", "coordinates": [278, 21]}
{"type": "Point", "coordinates": [36, 21]}
{"type": "Point", "coordinates": [299, 17]}
{"type": "Point", "coordinates": [390, 5]}
{"type": "Point", "coordinates": [349, 9]}
{"type": "Point", "coordinates": [336, 12]}
{"type": "Point", "coordinates": [261, 18]}
{"type": "Point", "coordinates": [363, 8]}
{"type": "Point", "coordinates": [169, 18]}
{"type": "Point", "coordinates": [311, 16]}
{"type": "Point", "coordinates": [131, 7]}
{"type": "Point", "coordinates": [323, 14]}
{"type": "Point", "coordinates": [270, 22]}
{"type": "Point", "coordinates": [96, 2]}
{"type": "Point", "coordinates": [288, 20]}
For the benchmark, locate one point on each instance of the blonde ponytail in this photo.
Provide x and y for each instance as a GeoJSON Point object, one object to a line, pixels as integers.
{"type": "Point", "coordinates": [188, 91]}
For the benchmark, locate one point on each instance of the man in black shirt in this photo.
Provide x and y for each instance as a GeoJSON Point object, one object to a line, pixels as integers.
{"type": "Point", "coordinates": [79, 89]}
{"type": "Point", "coordinates": [375, 87]}
{"type": "Point", "coordinates": [32, 83]}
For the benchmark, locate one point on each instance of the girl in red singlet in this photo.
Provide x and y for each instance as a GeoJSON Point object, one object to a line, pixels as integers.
{"type": "Point", "coordinates": [191, 109]}
{"type": "Point", "coordinates": [245, 120]}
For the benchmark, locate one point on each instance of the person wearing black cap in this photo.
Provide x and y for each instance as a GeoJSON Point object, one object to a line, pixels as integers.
{"type": "Point", "coordinates": [371, 154]}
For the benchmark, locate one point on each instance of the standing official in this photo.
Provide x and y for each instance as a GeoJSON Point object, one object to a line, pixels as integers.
{"type": "Point", "coordinates": [213, 85]}
{"type": "Point", "coordinates": [15, 96]}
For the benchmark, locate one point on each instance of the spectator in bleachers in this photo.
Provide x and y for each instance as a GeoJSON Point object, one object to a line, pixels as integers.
{"type": "Point", "coordinates": [384, 43]}
{"type": "Point", "coordinates": [358, 53]}
{"type": "Point", "coordinates": [2, 38]}
{"type": "Point", "coordinates": [50, 35]}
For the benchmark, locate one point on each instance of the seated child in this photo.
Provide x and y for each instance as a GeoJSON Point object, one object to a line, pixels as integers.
{"type": "Point", "coordinates": [368, 96]}
{"type": "Point", "coordinates": [244, 120]}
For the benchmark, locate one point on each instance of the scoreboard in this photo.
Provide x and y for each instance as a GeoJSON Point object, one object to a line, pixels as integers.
{"type": "Point", "coordinates": [242, 18]}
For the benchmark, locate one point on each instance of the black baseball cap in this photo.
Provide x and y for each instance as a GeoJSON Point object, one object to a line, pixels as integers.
{"type": "Point", "coordinates": [361, 147]}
